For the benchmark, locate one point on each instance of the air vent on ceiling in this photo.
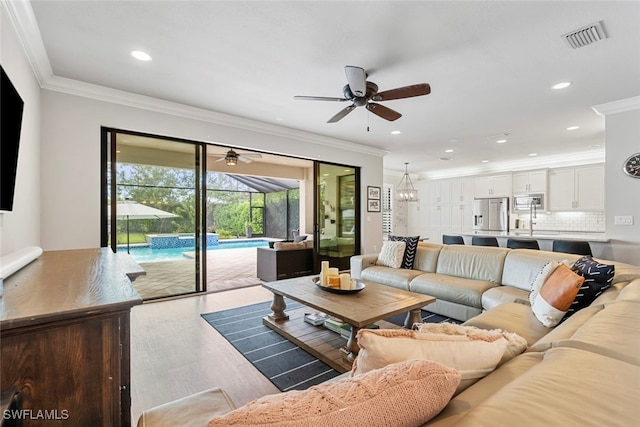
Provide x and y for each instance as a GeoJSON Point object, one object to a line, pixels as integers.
{"type": "Point", "coordinates": [585, 35]}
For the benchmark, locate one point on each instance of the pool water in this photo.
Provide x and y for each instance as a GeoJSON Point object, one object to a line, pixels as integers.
{"type": "Point", "coordinates": [146, 254]}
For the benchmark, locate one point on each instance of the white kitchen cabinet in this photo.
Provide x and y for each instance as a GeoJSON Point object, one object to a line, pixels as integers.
{"type": "Point", "coordinates": [576, 189]}
{"type": "Point", "coordinates": [461, 190]}
{"type": "Point", "coordinates": [439, 191]}
{"type": "Point", "coordinates": [530, 182]}
{"type": "Point", "coordinates": [492, 186]}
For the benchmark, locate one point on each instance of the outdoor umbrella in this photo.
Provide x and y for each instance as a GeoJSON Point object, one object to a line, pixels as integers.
{"type": "Point", "coordinates": [134, 210]}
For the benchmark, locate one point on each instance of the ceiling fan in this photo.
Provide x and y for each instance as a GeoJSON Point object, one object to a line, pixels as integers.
{"type": "Point", "coordinates": [362, 92]}
{"type": "Point", "coordinates": [231, 157]}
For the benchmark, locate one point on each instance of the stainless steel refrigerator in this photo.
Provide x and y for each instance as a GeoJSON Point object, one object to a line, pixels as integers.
{"type": "Point", "coordinates": [491, 214]}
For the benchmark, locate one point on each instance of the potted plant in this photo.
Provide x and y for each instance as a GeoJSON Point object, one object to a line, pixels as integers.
{"type": "Point", "coordinates": [248, 230]}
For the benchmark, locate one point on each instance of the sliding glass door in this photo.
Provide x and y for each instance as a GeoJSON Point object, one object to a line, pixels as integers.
{"type": "Point", "coordinates": [337, 213]}
{"type": "Point", "coordinates": [153, 210]}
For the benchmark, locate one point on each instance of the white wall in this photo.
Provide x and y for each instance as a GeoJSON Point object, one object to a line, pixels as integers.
{"type": "Point", "coordinates": [71, 161]}
{"type": "Point", "coordinates": [21, 227]}
{"type": "Point", "coordinates": [622, 193]}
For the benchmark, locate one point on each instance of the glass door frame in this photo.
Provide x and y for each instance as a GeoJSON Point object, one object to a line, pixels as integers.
{"type": "Point", "coordinates": [108, 197]}
{"type": "Point", "coordinates": [342, 262]}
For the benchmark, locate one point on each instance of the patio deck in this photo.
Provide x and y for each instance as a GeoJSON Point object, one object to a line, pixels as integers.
{"type": "Point", "coordinates": [226, 269]}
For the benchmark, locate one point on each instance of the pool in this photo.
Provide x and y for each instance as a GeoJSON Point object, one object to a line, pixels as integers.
{"type": "Point", "coordinates": [146, 254]}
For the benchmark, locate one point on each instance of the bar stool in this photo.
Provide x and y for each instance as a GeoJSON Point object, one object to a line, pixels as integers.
{"type": "Point", "coordinates": [578, 247]}
{"type": "Point", "coordinates": [484, 241]}
{"type": "Point", "coordinates": [522, 244]}
{"type": "Point", "coordinates": [452, 240]}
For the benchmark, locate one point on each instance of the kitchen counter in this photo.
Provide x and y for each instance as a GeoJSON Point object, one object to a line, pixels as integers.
{"type": "Point", "coordinates": [541, 235]}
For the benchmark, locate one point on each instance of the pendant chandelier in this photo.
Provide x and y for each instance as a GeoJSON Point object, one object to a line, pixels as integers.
{"type": "Point", "coordinates": [406, 191]}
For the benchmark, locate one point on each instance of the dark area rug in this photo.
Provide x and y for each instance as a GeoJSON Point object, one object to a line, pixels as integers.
{"type": "Point", "coordinates": [285, 364]}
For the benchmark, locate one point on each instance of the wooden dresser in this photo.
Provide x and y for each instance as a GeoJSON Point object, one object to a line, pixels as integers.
{"type": "Point", "coordinates": [64, 337]}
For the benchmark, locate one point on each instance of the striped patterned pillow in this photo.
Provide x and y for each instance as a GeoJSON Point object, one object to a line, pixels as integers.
{"type": "Point", "coordinates": [409, 257]}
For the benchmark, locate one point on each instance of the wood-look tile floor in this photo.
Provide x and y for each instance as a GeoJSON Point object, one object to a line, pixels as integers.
{"type": "Point", "coordinates": [175, 353]}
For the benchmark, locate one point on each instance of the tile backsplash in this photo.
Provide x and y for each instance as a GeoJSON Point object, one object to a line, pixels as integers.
{"type": "Point", "coordinates": [563, 221]}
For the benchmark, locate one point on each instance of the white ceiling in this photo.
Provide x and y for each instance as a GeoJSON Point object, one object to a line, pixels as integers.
{"type": "Point", "coordinates": [490, 65]}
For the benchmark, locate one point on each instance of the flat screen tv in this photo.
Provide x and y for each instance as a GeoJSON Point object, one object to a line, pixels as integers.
{"type": "Point", "coordinates": [10, 125]}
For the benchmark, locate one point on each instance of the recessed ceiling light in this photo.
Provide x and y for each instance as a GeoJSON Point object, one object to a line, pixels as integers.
{"type": "Point", "coordinates": [279, 119]}
{"type": "Point", "coordinates": [533, 154]}
{"type": "Point", "coordinates": [448, 151]}
{"type": "Point", "coordinates": [140, 55]}
{"type": "Point", "coordinates": [561, 85]}
{"type": "Point", "coordinates": [594, 146]}
{"type": "Point", "coordinates": [501, 141]}
{"type": "Point", "coordinates": [573, 127]}
{"type": "Point", "coordinates": [485, 161]}
{"type": "Point", "coordinates": [395, 132]}
{"type": "Point", "coordinates": [446, 158]}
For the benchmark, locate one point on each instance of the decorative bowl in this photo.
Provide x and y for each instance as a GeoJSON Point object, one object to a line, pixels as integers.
{"type": "Point", "coordinates": [359, 286]}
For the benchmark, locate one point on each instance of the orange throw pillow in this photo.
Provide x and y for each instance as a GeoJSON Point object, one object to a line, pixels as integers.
{"type": "Point", "coordinates": [556, 295]}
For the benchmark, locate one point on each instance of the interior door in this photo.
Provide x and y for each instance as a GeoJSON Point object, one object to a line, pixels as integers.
{"type": "Point", "coordinates": [337, 214]}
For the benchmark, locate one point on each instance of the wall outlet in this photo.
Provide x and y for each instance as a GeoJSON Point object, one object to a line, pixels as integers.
{"type": "Point", "coordinates": [623, 220]}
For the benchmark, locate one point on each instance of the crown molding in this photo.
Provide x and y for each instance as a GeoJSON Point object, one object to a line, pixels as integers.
{"type": "Point", "coordinates": [24, 22]}
{"type": "Point", "coordinates": [619, 106]}
{"type": "Point", "coordinates": [23, 19]}
{"type": "Point", "coordinates": [114, 96]}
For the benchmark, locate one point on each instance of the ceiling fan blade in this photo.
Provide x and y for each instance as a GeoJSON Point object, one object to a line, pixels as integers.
{"type": "Point", "coordinates": [403, 92]}
{"type": "Point", "coordinates": [384, 112]}
{"type": "Point", "coordinates": [318, 98]}
{"type": "Point", "coordinates": [357, 79]}
{"type": "Point", "coordinates": [244, 159]}
{"type": "Point", "coordinates": [341, 114]}
{"type": "Point", "coordinates": [251, 155]}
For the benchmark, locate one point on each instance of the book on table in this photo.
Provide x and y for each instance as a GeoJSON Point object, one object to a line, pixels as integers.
{"type": "Point", "coordinates": [318, 318]}
{"type": "Point", "coordinates": [334, 324]}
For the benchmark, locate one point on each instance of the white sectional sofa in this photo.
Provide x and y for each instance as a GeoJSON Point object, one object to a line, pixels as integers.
{"type": "Point", "coordinates": [467, 280]}
{"type": "Point", "coordinates": [583, 372]}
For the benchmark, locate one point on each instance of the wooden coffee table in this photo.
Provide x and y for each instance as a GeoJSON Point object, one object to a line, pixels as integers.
{"type": "Point", "coordinates": [372, 304]}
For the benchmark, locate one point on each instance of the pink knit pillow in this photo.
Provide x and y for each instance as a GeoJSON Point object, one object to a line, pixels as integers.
{"type": "Point", "coordinates": [402, 394]}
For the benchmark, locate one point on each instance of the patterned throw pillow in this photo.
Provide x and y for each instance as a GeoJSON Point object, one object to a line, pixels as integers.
{"type": "Point", "coordinates": [597, 278]}
{"type": "Point", "coordinates": [409, 257]}
{"type": "Point", "coordinates": [391, 254]}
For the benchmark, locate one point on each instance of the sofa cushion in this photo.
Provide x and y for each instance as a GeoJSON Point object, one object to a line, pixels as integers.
{"type": "Point", "coordinates": [521, 266]}
{"type": "Point", "coordinates": [512, 317]}
{"type": "Point", "coordinates": [556, 295]}
{"type": "Point", "coordinates": [397, 278]}
{"type": "Point", "coordinates": [464, 402]}
{"type": "Point", "coordinates": [409, 256]}
{"type": "Point", "coordinates": [403, 394]}
{"type": "Point", "coordinates": [568, 388]}
{"type": "Point", "coordinates": [598, 278]}
{"type": "Point", "coordinates": [452, 288]}
{"type": "Point", "coordinates": [473, 355]}
{"type": "Point", "coordinates": [287, 246]}
{"type": "Point", "coordinates": [612, 332]}
{"type": "Point", "coordinates": [567, 329]}
{"type": "Point", "coordinates": [391, 254]}
{"type": "Point", "coordinates": [427, 257]}
{"type": "Point", "coordinates": [472, 262]}
{"type": "Point", "coordinates": [502, 294]}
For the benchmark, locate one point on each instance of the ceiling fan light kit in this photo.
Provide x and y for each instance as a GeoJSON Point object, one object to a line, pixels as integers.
{"type": "Point", "coordinates": [362, 93]}
{"type": "Point", "coordinates": [231, 157]}
{"type": "Point", "coordinates": [406, 191]}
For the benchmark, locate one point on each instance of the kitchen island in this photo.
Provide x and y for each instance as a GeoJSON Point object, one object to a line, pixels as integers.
{"type": "Point", "coordinates": [598, 241]}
